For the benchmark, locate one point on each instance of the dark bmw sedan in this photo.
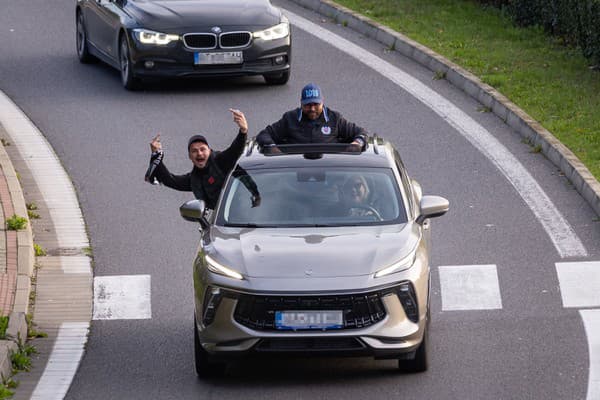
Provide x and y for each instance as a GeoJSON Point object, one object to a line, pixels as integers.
{"type": "Point", "coordinates": [185, 38]}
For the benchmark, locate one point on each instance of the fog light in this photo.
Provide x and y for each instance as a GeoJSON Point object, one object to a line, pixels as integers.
{"type": "Point", "coordinates": [149, 64]}
{"type": "Point", "coordinates": [212, 298]}
{"type": "Point", "coordinates": [408, 298]}
{"type": "Point", "coordinates": [279, 60]}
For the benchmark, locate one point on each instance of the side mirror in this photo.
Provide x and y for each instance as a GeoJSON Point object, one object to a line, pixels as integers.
{"type": "Point", "coordinates": [431, 207]}
{"type": "Point", "coordinates": [193, 211]}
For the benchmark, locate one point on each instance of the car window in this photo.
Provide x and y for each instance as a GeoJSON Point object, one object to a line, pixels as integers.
{"type": "Point", "coordinates": [312, 197]}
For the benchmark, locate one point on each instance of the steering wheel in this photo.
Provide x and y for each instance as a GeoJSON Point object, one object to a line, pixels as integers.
{"type": "Point", "coordinates": [372, 209]}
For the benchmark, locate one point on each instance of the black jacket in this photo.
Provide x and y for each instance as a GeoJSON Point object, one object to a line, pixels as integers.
{"type": "Point", "coordinates": [294, 127]}
{"type": "Point", "coordinates": [205, 183]}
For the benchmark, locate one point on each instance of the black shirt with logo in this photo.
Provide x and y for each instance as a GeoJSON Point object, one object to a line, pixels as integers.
{"type": "Point", "coordinates": [294, 127]}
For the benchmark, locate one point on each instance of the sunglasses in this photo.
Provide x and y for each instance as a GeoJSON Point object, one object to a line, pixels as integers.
{"type": "Point", "coordinates": [355, 185]}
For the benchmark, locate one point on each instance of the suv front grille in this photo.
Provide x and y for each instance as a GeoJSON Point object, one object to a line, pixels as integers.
{"type": "Point", "coordinates": [359, 310]}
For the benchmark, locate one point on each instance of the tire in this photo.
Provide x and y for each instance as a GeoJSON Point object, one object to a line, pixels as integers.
{"type": "Point", "coordinates": [420, 362]}
{"type": "Point", "coordinates": [130, 82]}
{"type": "Point", "coordinates": [83, 50]}
{"type": "Point", "coordinates": [278, 79]}
{"type": "Point", "coordinates": [204, 367]}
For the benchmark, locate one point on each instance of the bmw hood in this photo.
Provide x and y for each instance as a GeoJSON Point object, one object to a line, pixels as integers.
{"type": "Point", "coordinates": [312, 252]}
{"type": "Point", "coordinates": [201, 15]}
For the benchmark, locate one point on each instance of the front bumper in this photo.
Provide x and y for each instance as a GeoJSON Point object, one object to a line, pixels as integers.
{"type": "Point", "coordinates": [394, 336]}
{"type": "Point", "coordinates": [175, 60]}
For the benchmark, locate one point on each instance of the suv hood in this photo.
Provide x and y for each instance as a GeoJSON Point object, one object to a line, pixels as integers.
{"type": "Point", "coordinates": [312, 252]}
{"type": "Point", "coordinates": [201, 15]}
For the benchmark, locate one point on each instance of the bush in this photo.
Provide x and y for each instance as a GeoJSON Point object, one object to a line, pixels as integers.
{"type": "Point", "coordinates": [575, 22]}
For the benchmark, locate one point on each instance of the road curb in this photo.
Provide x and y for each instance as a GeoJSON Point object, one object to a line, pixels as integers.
{"type": "Point", "coordinates": [25, 253]}
{"type": "Point", "coordinates": [16, 332]}
{"type": "Point", "coordinates": [531, 130]}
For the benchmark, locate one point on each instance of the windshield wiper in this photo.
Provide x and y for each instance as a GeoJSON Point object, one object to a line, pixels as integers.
{"type": "Point", "coordinates": [248, 225]}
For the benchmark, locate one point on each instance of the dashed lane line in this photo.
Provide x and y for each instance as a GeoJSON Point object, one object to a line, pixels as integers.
{"type": "Point", "coordinates": [122, 297]}
{"type": "Point", "coordinates": [469, 287]}
{"type": "Point", "coordinates": [579, 283]}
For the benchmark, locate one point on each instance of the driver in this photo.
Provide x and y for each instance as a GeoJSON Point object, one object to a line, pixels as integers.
{"type": "Point", "coordinates": [356, 195]}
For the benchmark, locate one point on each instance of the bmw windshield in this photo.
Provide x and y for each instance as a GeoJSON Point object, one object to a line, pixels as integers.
{"type": "Point", "coordinates": [291, 197]}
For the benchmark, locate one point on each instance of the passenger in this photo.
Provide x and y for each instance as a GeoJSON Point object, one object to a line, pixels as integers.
{"type": "Point", "coordinates": [210, 168]}
{"type": "Point", "coordinates": [312, 122]}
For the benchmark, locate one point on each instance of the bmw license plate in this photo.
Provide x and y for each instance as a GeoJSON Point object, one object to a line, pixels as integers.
{"type": "Point", "coordinates": [225, 57]}
{"type": "Point", "coordinates": [309, 319]}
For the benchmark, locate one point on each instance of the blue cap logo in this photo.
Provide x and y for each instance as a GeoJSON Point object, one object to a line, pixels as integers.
{"type": "Point", "coordinates": [311, 94]}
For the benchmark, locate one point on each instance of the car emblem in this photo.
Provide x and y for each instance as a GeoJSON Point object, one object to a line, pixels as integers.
{"type": "Point", "coordinates": [215, 29]}
{"type": "Point", "coordinates": [308, 272]}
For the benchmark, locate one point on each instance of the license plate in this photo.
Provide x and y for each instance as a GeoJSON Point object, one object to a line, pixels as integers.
{"type": "Point", "coordinates": [226, 57]}
{"type": "Point", "coordinates": [309, 319]}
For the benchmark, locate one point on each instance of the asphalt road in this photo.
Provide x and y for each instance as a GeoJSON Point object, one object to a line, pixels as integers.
{"type": "Point", "coordinates": [530, 348]}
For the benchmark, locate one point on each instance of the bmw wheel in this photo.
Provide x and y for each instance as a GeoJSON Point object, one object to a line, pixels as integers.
{"type": "Point", "coordinates": [204, 367]}
{"type": "Point", "coordinates": [130, 82]}
{"type": "Point", "coordinates": [83, 52]}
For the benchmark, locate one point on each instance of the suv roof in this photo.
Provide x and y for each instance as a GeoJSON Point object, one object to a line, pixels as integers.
{"type": "Point", "coordinates": [378, 153]}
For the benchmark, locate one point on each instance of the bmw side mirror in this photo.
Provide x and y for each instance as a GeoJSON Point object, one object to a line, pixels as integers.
{"type": "Point", "coordinates": [193, 210]}
{"type": "Point", "coordinates": [431, 207]}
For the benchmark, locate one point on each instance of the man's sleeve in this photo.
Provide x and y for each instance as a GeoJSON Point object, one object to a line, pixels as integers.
{"type": "Point", "coordinates": [349, 131]}
{"type": "Point", "coordinates": [177, 182]}
{"type": "Point", "coordinates": [273, 134]}
{"type": "Point", "coordinates": [226, 159]}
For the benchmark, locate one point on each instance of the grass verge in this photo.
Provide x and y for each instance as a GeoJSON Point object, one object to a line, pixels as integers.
{"type": "Point", "coordinates": [552, 83]}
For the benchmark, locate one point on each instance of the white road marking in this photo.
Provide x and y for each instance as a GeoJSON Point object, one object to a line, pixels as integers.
{"type": "Point", "coordinates": [591, 322]}
{"type": "Point", "coordinates": [556, 226]}
{"type": "Point", "coordinates": [50, 177]}
{"type": "Point", "coordinates": [59, 195]}
{"type": "Point", "coordinates": [63, 362]}
{"type": "Point", "coordinates": [122, 297]}
{"type": "Point", "coordinates": [579, 283]}
{"type": "Point", "coordinates": [470, 287]}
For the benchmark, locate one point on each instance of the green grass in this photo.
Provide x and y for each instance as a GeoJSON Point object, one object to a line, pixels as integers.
{"type": "Point", "coordinates": [3, 326]}
{"type": "Point", "coordinates": [5, 389]}
{"type": "Point", "coordinates": [16, 223]}
{"type": "Point", "coordinates": [39, 250]}
{"type": "Point", "coordinates": [552, 83]}
{"type": "Point", "coordinates": [21, 360]}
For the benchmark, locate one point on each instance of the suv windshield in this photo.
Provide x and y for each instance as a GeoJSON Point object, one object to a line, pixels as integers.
{"type": "Point", "coordinates": [312, 197]}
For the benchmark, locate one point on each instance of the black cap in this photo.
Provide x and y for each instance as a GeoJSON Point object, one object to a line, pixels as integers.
{"type": "Point", "coordinates": [196, 138]}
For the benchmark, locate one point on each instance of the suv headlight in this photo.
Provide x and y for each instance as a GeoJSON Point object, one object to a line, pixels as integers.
{"type": "Point", "coordinates": [398, 266]}
{"type": "Point", "coordinates": [150, 37]}
{"type": "Point", "coordinates": [220, 269]}
{"type": "Point", "coordinates": [278, 31]}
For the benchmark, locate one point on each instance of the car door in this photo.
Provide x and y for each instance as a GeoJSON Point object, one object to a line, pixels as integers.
{"type": "Point", "coordinates": [103, 23]}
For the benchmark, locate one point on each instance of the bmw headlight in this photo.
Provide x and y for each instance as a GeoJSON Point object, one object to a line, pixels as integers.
{"type": "Point", "coordinates": [150, 37]}
{"type": "Point", "coordinates": [220, 269]}
{"type": "Point", "coordinates": [275, 32]}
{"type": "Point", "coordinates": [400, 265]}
